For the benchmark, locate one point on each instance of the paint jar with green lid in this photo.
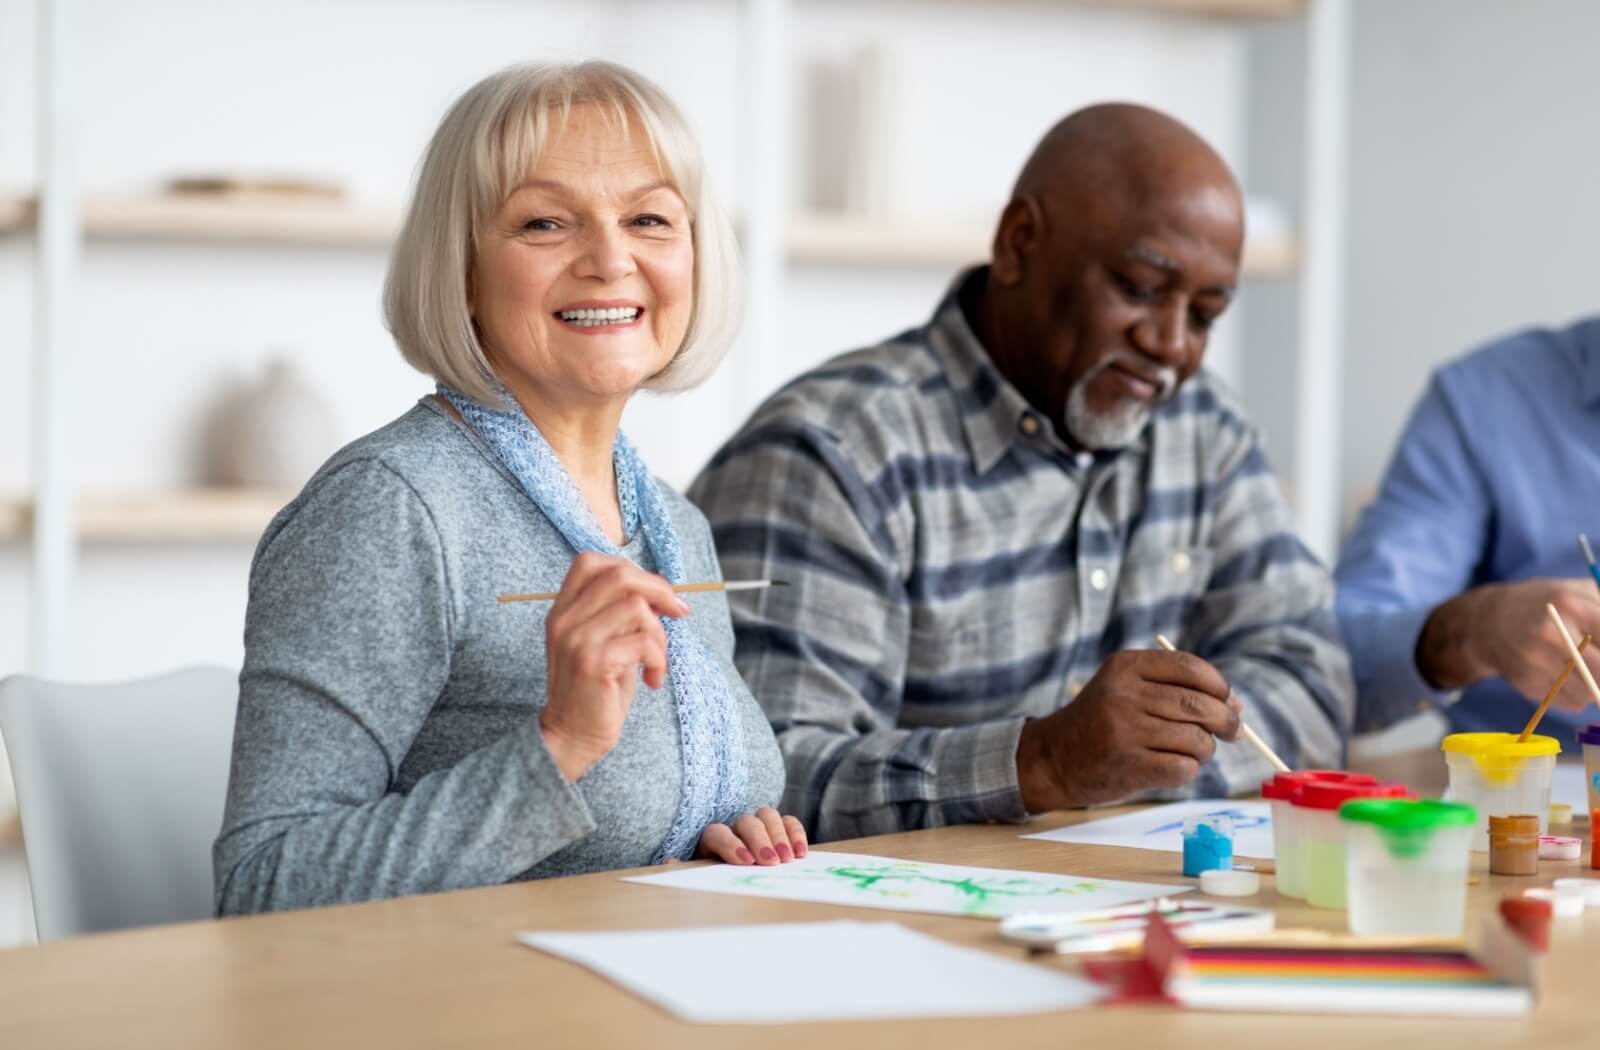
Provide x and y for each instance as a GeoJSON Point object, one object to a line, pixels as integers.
{"type": "Point", "coordinates": [1406, 865]}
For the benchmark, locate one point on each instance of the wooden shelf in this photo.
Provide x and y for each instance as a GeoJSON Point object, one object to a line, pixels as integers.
{"type": "Point", "coordinates": [1180, 8]}
{"type": "Point", "coordinates": [832, 239]}
{"type": "Point", "coordinates": [1215, 8]}
{"type": "Point", "coordinates": [181, 516]}
{"type": "Point", "coordinates": [818, 239]}
{"type": "Point", "coordinates": [249, 220]}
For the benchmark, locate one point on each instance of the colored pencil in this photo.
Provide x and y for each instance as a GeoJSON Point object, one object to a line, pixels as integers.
{"type": "Point", "coordinates": [1249, 734]}
{"type": "Point", "coordinates": [680, 588]}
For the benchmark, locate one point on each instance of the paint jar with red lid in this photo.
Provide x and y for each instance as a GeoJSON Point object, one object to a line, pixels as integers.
{"type": "Point", "coordinates": [1322, 848]}
{"type": "Point", "coordinates": [1282, 791]}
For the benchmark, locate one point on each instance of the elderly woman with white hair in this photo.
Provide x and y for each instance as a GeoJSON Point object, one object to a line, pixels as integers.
{"type": "Point", "coordinates": [399, 730]}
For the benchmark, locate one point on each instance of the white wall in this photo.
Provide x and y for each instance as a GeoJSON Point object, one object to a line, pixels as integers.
{"type": "Point", "coordinates": [350, 90]}
{"type": "Point", "coordinates": [1475, 156]}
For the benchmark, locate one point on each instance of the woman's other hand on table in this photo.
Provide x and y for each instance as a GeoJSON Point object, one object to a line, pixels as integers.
{"type": "Point", "coordinates": [764, 838]}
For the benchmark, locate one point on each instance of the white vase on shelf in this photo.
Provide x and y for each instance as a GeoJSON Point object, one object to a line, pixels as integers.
{"type": "Point", "coordinates": [272, 433]}
{"type": "Point", "coordinates": [847, 124]}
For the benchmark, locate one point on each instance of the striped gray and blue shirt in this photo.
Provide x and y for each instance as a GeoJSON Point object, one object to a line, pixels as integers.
{"type": "Point", "coordinates": [955, 569]}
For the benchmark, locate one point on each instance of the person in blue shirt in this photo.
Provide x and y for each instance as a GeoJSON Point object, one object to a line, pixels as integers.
{"type": "Point", "coordinates": [1442, 585]}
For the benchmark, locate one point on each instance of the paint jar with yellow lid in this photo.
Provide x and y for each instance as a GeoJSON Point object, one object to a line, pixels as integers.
{"type": "Point", "coordinates": [1500, 776]}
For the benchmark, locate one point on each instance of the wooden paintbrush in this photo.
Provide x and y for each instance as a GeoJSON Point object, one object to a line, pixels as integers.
{"type": "Point", "coordinates": [680, 588]}
{"type": "Point", "coordinates": [1248, 733]}
{"type": "Point", "coordinates": [1533, 723]}
{"type": "Point", "coordinates": [1572, 648]}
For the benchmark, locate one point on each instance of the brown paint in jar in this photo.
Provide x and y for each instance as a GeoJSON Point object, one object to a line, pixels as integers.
{"type": "Point", "coordinates": [1514, 845]}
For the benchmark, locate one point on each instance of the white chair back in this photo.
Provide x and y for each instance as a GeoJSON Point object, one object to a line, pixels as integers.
{"type": "Point", "coordinates": [120, 788]}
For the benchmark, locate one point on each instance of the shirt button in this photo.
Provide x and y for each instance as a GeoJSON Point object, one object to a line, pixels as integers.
{"type": "Point", "coordinates": [1029, 425]}
{"type": "Point", "coordinates": [1098, 579]}
{"type": "Point", "coordinates": [1180, 563]}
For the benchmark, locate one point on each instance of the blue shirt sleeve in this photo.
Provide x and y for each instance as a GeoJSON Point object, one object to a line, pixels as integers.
{"type": "Point", "coordinates": [1419, 544]}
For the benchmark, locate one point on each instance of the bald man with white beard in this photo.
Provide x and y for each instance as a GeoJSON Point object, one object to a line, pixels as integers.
{"type": "Point", "coordinates": [986, 522]}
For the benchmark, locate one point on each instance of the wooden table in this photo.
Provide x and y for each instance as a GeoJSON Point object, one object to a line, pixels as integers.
{"type": "Point", "coordinates": [444, 971]}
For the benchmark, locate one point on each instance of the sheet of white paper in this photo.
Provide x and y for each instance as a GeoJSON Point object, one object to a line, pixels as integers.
{"type": "Point", "coordinates": [1161, 827]}
{"type": "Point", "coordinates": [814, 971]}
{"type": "Point", "coordinates": [902, 885]}
{"type": "Point", "coordinates": [1571, 786]}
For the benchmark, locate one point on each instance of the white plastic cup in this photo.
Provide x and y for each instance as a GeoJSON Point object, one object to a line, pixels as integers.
{"type": "Point", "coordinates": [1406, 866]}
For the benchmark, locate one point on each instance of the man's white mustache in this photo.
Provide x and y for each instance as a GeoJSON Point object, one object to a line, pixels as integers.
{"type": "Point", "coordinates": [1165, 377]}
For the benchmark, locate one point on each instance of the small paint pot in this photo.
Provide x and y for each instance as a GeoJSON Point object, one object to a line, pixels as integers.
{"type": "Point", "coordinates": [1207, 843]}
{"type": "Point", "coordinates": [1559, 847]}
{"type": "Point", "coordinates": [1560, 814]}
{"type": "Point", "coordinates": [1514, 845]}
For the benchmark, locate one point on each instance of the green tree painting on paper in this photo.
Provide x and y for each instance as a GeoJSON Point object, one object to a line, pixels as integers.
{"type": "Point", "coordinates": [971, 895]}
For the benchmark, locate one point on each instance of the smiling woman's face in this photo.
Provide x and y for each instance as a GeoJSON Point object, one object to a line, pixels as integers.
{"type": "Point", "coordinates": [582, 283]}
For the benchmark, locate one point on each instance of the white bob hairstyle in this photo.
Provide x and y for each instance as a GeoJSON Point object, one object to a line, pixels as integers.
{"type": "Point", "coordinates": [484, 148]}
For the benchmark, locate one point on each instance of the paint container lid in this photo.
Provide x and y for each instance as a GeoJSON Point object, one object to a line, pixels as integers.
{"type": "Point", "coordinates": [1566, 904]}
{"type": "Point", "coordinates": [1499, 757]}
{"type": "Point", "coordinates": [1408, 813]}
{"type": "Point", "coordinates": [1590, 734]}
{"type": "Point", "coordinates": [1499, 745]}
{"type": "Point", "coordinates": [1589, 887]}
{"type": "Point", "coordinates": [1407, 825]}
{"type": "Point", "coordinates": [1330, 796]}
{"type": "Point", "coordinates": [1224, 883]}
{"type": "Point", "coordinates": [1514, 824]}
{"type": "Point", "coordinates": [1286, 786]}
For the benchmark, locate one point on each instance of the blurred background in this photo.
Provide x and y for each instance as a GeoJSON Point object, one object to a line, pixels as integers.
{"type": "Point", "coordinates": [193, 324]}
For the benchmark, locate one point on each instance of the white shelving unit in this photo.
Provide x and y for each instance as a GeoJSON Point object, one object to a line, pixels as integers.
{"type": "Point", "coordinates": [56, 518]}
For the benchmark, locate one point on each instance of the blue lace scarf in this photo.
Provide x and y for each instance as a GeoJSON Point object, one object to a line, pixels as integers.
{"type": "Point", "coordinates": [716, 779]}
